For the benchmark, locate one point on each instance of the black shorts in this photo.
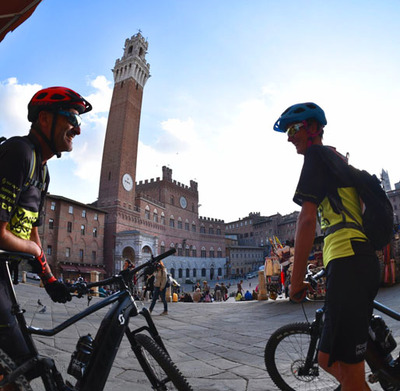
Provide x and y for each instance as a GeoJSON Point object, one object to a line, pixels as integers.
{"type": "Point", "coordinates": [352, 284]}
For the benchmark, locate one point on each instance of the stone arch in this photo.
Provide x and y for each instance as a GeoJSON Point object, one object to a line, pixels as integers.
{"type": "Point", "coordinates": [129, 253]}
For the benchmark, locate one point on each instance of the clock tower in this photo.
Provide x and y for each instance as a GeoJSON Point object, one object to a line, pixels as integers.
{"type": "Point", "coordinates": [118, 169]}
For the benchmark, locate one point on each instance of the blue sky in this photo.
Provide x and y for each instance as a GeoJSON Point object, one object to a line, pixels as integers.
{"type": "Point", "coordinates": [222, 72]}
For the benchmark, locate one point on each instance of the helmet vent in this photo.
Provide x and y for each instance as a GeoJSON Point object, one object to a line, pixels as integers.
{"type": "Point", "coordinates": [57, 97]}
{"type": "Point", "coordinates": [42, 95]}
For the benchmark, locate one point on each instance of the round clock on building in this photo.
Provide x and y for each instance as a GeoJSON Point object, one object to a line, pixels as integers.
{"type": "Point", "coordinates": [127, 182]}
{"type": "Point", "coordinates": [183, 202]}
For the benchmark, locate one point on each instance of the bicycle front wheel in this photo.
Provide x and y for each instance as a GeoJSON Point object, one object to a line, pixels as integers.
{"type": "Point", "coordinates": [158, 366]}
{"type": "Point", "coordinates": [285, 355]}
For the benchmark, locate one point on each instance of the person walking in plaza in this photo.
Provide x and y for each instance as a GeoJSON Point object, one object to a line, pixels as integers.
{"type": "Point", "coordinates": [352, 268]}
{"type": "Point", "coordinates": [54, 114]}
{"type": "Point", "coordinates": [217, 292]}
{"type": "Point", "coordinates": [239, 288]}
{"type": "Point", "coordinates": [160, 287]}
{"type": "Point", "coordinates": [224, 291]}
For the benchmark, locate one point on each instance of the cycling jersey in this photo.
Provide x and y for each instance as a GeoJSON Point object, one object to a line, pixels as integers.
{"type": "Point", "coordinates": [21, 205]}
{"type": "Point", "coordinates": [317, 184]}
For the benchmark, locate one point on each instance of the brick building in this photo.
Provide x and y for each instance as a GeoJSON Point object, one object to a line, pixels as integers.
{"type": "Point", "coordinates": [72, 236]}
{"type": "Point", "coordinates": [255, 230]}
{"type": "Point", "coordinates": [170, 208]}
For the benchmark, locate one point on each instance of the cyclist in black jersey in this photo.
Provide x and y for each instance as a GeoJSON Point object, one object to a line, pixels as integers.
{"type": "Point", "coordinates": [24, 180]}
{"type": "Point", "coordinates": [349, 259]}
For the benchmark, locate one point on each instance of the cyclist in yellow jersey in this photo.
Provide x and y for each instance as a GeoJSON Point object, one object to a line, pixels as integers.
{"type": "Point", "coordinates": [351, 264]}
{"type": "Point", "coordinates": [54, 113]}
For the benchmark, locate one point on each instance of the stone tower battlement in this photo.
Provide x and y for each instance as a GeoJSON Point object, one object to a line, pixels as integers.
{"type": "Point", "coordinates": [133, 63]}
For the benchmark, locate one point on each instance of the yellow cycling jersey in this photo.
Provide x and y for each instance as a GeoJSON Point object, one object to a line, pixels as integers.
{"type": "Point", "coordinates": [23, 186]}
{"type": "Point", "coordinates": [317, 184]}
{"type": "Point", "coordinates": [338, 243]}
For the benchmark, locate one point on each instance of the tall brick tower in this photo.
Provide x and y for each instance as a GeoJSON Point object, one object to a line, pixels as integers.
{"type": "Point", "coordinates": [118, 169]}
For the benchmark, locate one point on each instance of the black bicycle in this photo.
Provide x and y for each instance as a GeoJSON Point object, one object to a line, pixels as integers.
{"type": "Point", "coordinates": [291, 353]}
{"type": "Point", "coordinates": [93, 358]}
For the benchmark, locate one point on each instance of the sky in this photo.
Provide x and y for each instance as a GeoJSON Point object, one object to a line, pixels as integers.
{"type": "Point", "coordinates": [222, 72]}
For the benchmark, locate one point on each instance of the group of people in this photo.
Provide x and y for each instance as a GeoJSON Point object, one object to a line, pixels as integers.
{"type": "Point", "coordinates": [207, 295]}
{"type": "Point", "coordinates": [349, 258]}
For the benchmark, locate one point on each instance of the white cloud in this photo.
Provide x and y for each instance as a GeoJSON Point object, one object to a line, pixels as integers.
{"type": "Point", "coordinates": [14, 98]}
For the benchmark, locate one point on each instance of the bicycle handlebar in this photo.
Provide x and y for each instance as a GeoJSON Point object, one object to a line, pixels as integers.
{"type": "Point", "coordinates": [313, 278]}
{"type": "Point", "coordinates": [83, 287]}
{"type": "Point", "coordinates": [15, 254]}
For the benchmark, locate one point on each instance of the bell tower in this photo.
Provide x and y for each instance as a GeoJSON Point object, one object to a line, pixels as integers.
{"type": "Point", "coordinates": [118, 168]}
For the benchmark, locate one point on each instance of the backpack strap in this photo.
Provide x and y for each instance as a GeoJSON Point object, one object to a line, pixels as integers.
{"type": "Point", "coordinates": [30, 181]}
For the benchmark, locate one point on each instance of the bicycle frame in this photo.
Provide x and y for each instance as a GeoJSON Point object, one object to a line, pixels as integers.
{"type": "Point", "coordinates": [374, 358]}
{"type": "Point", "coordinates": [106, 342]}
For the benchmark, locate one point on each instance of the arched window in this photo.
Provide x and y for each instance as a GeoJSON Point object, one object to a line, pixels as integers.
{"type": "Point", "coordinates": [212, 252]}
{"type": "Point", "coordinates": [155, 216]}
{"type": "Point", "coordinates": [147, 212]}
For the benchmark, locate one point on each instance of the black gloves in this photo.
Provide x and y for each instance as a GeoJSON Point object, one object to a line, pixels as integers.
{"type": "Point", "coordinates": [58, 291]}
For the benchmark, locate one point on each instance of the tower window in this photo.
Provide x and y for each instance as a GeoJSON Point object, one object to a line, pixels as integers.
{"type": "Point", "coordinates": [130, 49]}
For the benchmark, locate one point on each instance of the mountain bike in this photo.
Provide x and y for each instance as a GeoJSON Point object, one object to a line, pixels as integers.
{"type": "Point", "coordinates": [93, 358]}
{"type": "Point", "coordinates": [291, 353]}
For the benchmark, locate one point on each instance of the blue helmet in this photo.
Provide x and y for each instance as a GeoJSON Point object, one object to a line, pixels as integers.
{"type": "Point", "coordinates": [298, 113]}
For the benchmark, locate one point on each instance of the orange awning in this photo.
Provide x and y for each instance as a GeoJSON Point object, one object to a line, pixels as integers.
{"type": "Point", "coordinates": [69, 268]}
{"type": "Point", "coordinates": [13, 13]}
{"type": "Point", "coordinates": [88, 269]}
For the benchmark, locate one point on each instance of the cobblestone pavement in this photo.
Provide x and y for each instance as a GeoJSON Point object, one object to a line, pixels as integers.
{"type": "Point", "coordinates": [217, 346]}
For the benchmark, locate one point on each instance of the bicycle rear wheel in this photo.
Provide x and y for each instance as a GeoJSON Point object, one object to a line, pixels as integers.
{"type": "Point", "coordinates": [158, 366]}
{"type": "Point", "coordinates": [7, 365]}
{"type": "Point", "coordinates": [286, 353]}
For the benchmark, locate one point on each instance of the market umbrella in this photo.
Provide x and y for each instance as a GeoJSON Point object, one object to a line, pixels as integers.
{"type": "Point", "coordinates": [13, 13]}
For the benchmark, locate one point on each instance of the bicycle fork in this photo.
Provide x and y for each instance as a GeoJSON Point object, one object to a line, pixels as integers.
{"type": "Point", "coordinates": [151, 328]}
{"type": "Point", "coordinates": [309, 368]}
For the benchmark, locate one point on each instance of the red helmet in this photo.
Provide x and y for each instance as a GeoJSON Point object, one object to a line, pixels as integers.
{"type": "Point", "coordinates": [56, 98]}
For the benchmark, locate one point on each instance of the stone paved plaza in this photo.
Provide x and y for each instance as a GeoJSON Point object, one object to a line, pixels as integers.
{"type": "Point", "coordinates": [217, 346]}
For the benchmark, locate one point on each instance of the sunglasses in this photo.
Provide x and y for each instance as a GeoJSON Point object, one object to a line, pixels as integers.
{"type": "Point", "coordinates": [72, 118]}
{"type": "Point", "coordinates": [293, 129]}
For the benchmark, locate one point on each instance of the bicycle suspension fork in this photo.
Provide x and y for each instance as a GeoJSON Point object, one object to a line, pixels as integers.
{"type": "Point", "coordinates": [151, 328]}
{"type": "Point", "coordinates": [315, 333]}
